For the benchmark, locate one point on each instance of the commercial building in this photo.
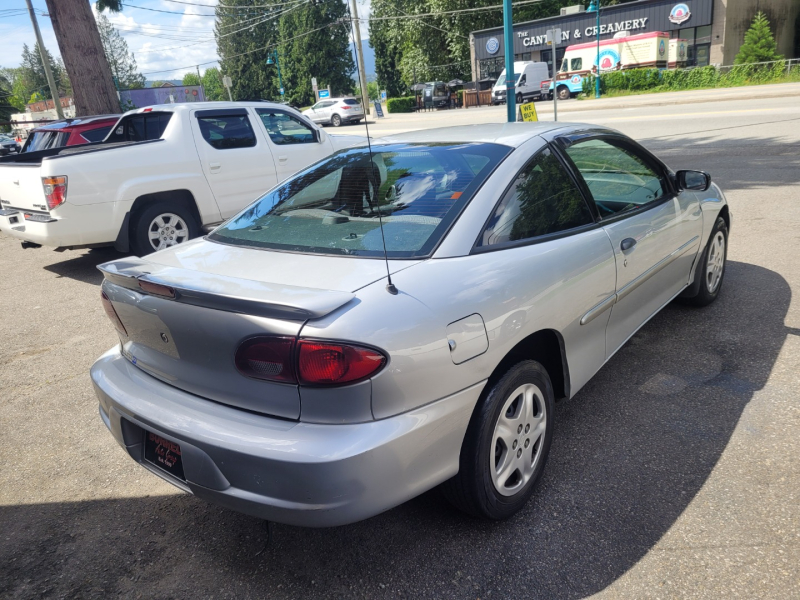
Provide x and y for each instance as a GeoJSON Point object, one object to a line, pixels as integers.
{"type": "Point", "coordinates": [714, 30]}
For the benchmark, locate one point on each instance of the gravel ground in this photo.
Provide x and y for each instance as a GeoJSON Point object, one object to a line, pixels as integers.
{"type": "Point", "coordinates": [673, 473]}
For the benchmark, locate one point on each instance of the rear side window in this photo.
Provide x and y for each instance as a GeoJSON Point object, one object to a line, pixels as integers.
{"type": "Point", "coordinates": [141, 127]}
{"type": "Point", "coordinates": [542, 200]}
{"type": "Point", "coordinates": [96, 135]}
{"type": "Point", "coordinates": [225, 132]}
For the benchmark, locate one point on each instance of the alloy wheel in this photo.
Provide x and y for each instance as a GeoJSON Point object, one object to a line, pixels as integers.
{"type": "Point", "coordinates": [166, 230]}
{"type": "Point", "coordinates": [716, 262]}
{"type": "Point", "coordinates": [518, 439]}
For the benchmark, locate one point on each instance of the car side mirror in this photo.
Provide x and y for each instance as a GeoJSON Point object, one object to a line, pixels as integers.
{"type": "Point", "coordinates": [693, 180]}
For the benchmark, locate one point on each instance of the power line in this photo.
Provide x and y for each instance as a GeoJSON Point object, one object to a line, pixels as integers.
{"type": "Point", "coordinates": [446, 12]}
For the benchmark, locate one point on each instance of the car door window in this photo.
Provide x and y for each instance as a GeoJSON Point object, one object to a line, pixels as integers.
{"type": "Point", "coordinates": [619, 179]}
{"type": "Point", "coordinates": [284, 129]}
{"type": "Point", "coordinates": [542, 200]}
{"type": "Point", "coordinates": [224, 132]}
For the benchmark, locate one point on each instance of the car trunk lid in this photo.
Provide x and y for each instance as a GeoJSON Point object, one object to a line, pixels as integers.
{"type": "Point", "coordinates": [21, 187]}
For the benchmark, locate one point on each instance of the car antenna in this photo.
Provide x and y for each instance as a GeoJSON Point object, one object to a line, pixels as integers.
{"type": "Point", "coordinates": [390, 287]}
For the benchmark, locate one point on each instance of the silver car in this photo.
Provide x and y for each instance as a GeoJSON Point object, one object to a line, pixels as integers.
{"type": "Point", "coordinates": [335, 111]}
{"type": "Point", "coordinates": [400, 317]}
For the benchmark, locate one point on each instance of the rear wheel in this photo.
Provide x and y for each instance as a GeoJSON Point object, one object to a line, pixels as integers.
{"type": "Point", "coordinates": [162, 225]}
{"type": "Point", "coordinates": [563, 92]}
{"type": "Point", "coordinates": [336, 120]}
{"type": "Point", "coordinates": [506, 445]}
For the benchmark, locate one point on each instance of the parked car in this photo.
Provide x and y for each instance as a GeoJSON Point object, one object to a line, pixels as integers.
{"type": "Point", "coordinates": [159, 177]}
{"type": "Point", "coordinates": [70, 132]}
{"type": "Point", "coordinates": [335, 111]}
{"type": "Point", "coordinates": [528, 77]}
{"type": "Point", "coordinates": [8, 145]}
{"type": "Point", "coordinates": [390, 320]}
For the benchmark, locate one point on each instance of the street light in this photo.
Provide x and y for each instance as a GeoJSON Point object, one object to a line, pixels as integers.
{"type": "Point", "coordinates": [594, 5]}
{"type": "Point", "coordinates": [272, 59]}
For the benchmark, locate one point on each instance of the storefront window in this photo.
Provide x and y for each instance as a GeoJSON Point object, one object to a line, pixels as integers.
{"type": "Point", "coordinates": [525, 56]}
{"type": "Point", "coordinates": [491, 68]}
{"type": "Point", "coordinates": [688, 35]}
{"type": "Point", "coordinates": [703, 35]}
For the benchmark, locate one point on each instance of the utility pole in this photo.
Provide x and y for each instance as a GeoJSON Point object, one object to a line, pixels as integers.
{"type": "Point", "coordinates": [508, 35]}
{"type": "Point", "coordinates": [362, 76]}
{"type": "Point", "coordinates": [43, 53]}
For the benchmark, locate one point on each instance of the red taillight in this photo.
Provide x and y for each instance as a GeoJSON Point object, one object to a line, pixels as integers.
{"type": "Point", "coordinates": [112, 314]}
{"type": "Point", "coordinates": [326, 363]}
{"type": "Point", "coordinates": [307, 362]}
{"type": "Point", "coordinates": [345, 107]}
{"type": "Point", "coordinates": [55, 190]}
{"type": "Point", "coordinates": [267, 358]}
{"type": "Point", "coordinates": [156, 288]}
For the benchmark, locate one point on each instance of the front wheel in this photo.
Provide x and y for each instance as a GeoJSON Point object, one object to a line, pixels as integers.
{"type": "Point", "coordinates": [336, 120]}
{"type": "Point", "coordinates": [506, 445]}
{"type": "Point", "coordinates": [563, 93]}
{"type": "Point", "coordinates": [711, 266]}
{"type": "Point", "coordinates": [162, 225]}
{"type": "Point", "coordinates": [519, 98]}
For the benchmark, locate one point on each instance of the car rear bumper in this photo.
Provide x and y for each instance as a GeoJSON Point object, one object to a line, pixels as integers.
{"type": "Point", "coordinates": [306, 474]}
{"type": "Point", "coordinates": [67, 226]}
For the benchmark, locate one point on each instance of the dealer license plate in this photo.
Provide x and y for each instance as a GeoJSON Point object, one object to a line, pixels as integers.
{"type": "Point", "coordinates": [164, 454]}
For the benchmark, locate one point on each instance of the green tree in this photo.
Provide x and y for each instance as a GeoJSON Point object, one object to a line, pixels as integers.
{"type": "Point", "coordinates": [324, 54]}
{"type": "Point", "coordinates": [759, 45]}
{"type": "Point", "coordinates": [191, 79]}
{"type": "Point", "coordinates": [120, 59]}
{"type": "Point", "coordinates": [243, 44]}
{"type": "Point", "coordinates": [6, 96]}
{"type": "Point", "coordinates": [212, 85]}
{"type": "Point", "coordinates": [31, 76]}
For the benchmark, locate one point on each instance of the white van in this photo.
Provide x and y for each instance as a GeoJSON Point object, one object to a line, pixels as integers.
{"type": "Point", "coordinates": [528, 77]}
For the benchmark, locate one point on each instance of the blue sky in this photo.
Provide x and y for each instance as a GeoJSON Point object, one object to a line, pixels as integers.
{"type": "Point", "coordinates": [166, 45]}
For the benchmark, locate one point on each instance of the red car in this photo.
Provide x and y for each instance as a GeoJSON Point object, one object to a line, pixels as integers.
{"type": "Point", "coordinates": [70, 132]}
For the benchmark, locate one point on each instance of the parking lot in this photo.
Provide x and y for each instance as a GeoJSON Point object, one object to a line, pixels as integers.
{"type": "Point", "coordinates": [673, 473]}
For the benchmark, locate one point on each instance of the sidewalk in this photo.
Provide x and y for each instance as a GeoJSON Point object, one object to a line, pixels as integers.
{"type": "Point", "coordinates": [402, 122]}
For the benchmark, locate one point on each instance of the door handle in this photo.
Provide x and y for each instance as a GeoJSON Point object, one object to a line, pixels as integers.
{"type": "Point", "coordinates": [215, 166]}
{"type": "Point", "coordinates": [627, 244]}
{"type": "Point", "coordinates": [283, 159]}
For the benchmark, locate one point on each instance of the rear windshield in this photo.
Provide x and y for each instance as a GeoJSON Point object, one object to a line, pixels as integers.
{"type": "Point", "coordinates": [350, 101]}
{"type": "Point", "coordinates": [45, 139]}
{"type": "Point", "coordinates": [334, 206]}
{"type": "Point", "coordinates": [140, 127]}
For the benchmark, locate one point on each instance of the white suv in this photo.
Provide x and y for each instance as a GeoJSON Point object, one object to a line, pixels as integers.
{"type": "Point", "coordinates": [335, 111]}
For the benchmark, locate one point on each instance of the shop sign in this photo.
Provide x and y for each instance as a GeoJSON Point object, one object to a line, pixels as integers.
{"type": "Point", "coordinates": [492, 45]}
{"type": "Point", "coordinates": [577, 34]}
{"type": "Point", "coordinates": [680, 13]}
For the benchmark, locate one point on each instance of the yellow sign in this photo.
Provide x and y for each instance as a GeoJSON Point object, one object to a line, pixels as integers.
{"type": "Point", "coordinates": [528, 112]}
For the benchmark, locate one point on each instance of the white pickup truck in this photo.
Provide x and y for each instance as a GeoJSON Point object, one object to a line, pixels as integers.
{"type": "Point", "coordinates": [163, 175]}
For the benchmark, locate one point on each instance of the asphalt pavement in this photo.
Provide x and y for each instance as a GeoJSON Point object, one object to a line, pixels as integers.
{"type": "Point", "coordinates": [673, 473]}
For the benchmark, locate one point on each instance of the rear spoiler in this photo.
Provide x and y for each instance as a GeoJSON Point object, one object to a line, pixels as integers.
{"type": "Point", "coordinates": [228, 294]}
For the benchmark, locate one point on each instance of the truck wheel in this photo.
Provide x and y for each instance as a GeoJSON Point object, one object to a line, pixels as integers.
{"type": "Point", "coordinates": [160, 226]}
{"type": "Point", "coordinates": [506, 445]}
{"type": "Point", "coordinates": [519, 98]}
{"type": "Point", "coordinates": [336, 120]}
{"type": "Point", "coordinates": [563, 92]}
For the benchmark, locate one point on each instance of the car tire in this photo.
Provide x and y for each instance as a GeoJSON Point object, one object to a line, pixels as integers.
{"type": "Point", "coordinates": [336, 120]}
{"type": "Point", "coordinates": [519, 98]}
{"type": "Point", "coordinates": [174, 222]}
{"type": "Point", "coordinates": [711, 266]}
{"type": "Point", "coordinates": [563, 92]}
{"type": "Point", "coordinates": [506, 445]}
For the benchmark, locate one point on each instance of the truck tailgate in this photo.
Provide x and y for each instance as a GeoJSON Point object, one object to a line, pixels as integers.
{"type": "Point", "coordinates": [21, 187]}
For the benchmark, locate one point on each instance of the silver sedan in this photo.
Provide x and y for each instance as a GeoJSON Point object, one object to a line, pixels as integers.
{"type": "Point", "coordinates": [400, 317]}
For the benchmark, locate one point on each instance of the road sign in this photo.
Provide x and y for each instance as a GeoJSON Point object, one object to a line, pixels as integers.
{"type": "Point", "coordinates": [553, 37]}
{"type": "Point", "coordinates": [226, 81]}
{"type": "Point", "coordinates": [314, 82]}
{"type": "Point", "coordinates": [383, 95]}
{"type": "Point", "coordinates": [324, 94]}
{"type": "Point", "coordinates": [527, 112]}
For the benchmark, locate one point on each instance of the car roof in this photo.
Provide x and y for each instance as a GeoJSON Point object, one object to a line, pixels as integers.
{"type": "Point", "coordinates": [66, 124]}
{"type": "Point", "coordinates": [218, 105]}
{"type": "Point", "coordinates": [508, 134]}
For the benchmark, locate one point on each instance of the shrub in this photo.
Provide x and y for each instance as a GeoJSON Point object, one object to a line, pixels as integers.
{"type": "Point", "coordinates": [401, 105]}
